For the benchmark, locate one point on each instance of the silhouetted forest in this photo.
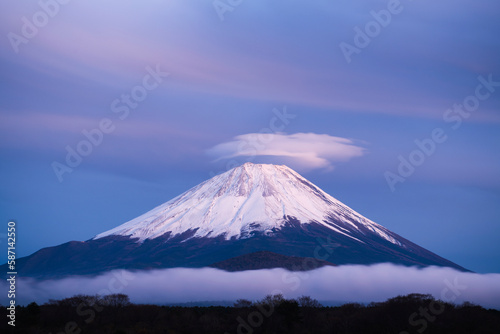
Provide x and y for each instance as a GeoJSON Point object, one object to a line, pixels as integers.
{"type": "Point", "coordinates": [114, 314]}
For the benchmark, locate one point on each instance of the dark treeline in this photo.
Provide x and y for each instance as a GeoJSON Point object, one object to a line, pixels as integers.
{"type": "Point", "coordinates": [115, 314]}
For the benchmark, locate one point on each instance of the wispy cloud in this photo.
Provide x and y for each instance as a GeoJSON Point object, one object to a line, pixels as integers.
{"type": "Point", "coordinates": [353, 283]}
{"type": "Point", "coordinates": [307, 150]}
{"type": "Point", "coordinates": [70, 46]}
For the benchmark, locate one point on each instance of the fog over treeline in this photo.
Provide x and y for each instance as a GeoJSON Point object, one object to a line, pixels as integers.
{"type": "Point", "coordinates": [350, 283]}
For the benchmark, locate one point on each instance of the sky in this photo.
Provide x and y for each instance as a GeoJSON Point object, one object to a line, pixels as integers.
{"type": "Point", "coordinates": [108, 109]}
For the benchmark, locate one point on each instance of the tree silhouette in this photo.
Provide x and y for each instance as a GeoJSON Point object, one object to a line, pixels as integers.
{"type": "Point", "coordinates": [306, 301]}
{"type": "Point", "coordinates": [240, 303]}
{"type": "Point", "coordinates": [273, 314]}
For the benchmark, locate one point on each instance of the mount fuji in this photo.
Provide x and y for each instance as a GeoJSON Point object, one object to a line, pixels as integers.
{"type": "Point", "coordinates": [250, 217]}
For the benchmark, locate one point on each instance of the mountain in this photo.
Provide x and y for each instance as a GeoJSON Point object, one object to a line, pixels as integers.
{"type": "Point", "coordinates": [248, 209]}
{"type": "Point", "coordinates": [269, 260]}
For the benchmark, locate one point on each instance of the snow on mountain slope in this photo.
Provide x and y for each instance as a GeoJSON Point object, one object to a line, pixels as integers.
{"type": "Point", "coordinates": [246, 199]}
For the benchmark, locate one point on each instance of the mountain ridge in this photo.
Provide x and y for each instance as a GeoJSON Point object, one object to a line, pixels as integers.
{"type": "Point", "coordinates": [251, 208]}
{"type": "Point", "coordinates": [282, 193]}
{"type": "Point", "coordinates": [268, 260]}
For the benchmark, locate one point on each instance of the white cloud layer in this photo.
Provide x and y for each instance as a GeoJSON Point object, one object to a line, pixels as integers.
{"type": "Point", "coordinates": [351, 283]}
{"type": "Point", "coordinates": [305, 150]}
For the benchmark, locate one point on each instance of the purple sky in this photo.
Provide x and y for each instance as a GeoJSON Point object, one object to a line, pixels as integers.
{"type": "Point", "coordinates": [268, 83]}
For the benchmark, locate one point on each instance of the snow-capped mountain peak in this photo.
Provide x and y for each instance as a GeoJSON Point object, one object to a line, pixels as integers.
{"type": "Point", "coordinates": [248, 199]}
{"type": "Point", "coordinates": [229, 222]}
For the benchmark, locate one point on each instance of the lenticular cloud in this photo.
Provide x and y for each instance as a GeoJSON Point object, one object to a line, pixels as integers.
{"type": "Point", "coordinates": [350, 283]}
{"type": "Point", "coordinates": [307, 150]}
